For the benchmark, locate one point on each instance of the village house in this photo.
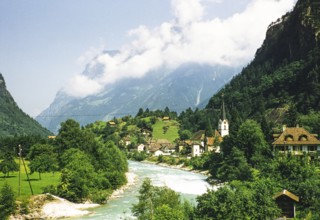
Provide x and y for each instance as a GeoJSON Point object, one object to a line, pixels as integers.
{"type": "Point", "coordinates": [161, 147]}
{"type": "Point", "coordinates": [112, 123]}
{"type": "Point", "coordinates": [125, 141]}
{"type": "Point", "coordinates": [141, 148]}
{"type": "Point", "coordinates": [286, 202]}
{"type": "Point", "coordinates": [297, 141]}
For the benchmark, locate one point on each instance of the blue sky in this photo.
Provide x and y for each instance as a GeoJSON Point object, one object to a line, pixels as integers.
{"type": "Point", "coordinates": [45, 43]}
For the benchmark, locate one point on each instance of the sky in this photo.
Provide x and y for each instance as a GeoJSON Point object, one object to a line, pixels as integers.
{"type": "Point", "coordinates": [45, 45]}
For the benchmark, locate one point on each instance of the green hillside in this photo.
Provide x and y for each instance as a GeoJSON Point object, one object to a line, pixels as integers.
{"type": "Point", "coordinates": [13, 121]}
{"type": "Point", "coordinates": [285, 73]}
{"type": "Point", "coordinates": [166, 130]}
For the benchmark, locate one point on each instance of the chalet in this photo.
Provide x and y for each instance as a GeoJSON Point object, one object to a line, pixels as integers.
{"type": "Point", "coordinates": [198, 143]}
{"type": "Point", "coordinates": [163, 145]}
{"type": "Point", "coordinates": [197, 149]}
{"type": "Point", "coordinates": [212, 143]}
{"type": "Point", "coordinates": [111, 123]}
{"type": "Point", "coordinates": [297, 141]}
{"type": "Point", "coordinates": [141, 148]}
{"type": "Point", "coordinates": [125, 141]}
{"type": "Point", "coordinates": [286, 202]}
{"type": "Point", "coordinates": [166, 118]}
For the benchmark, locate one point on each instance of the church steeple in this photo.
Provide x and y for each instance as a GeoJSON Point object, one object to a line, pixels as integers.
{"type": "Point", "coordinates": [223, 111]}
{"type": "Point", "coordinates": [223, 125]}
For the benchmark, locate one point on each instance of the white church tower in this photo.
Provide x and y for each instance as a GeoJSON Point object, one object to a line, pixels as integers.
{"type": "Point", "coordinates": [223, 125]}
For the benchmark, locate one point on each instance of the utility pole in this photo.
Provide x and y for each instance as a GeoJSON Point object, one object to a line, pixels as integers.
{"type": "Point", "coordinates": [19, 169]}
{"type": "Point", "coordinates": [25, 169]}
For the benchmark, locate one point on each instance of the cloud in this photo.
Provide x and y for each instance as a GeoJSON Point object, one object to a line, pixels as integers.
{"type": "Point", "coordinates": [187, 38]}
{"type": "Point", "coordinates": [82, 86]}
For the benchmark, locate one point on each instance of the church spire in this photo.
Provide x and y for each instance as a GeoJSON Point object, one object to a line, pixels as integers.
{"type": "Point", "coordinates": [223, 125]}
{"type": "Point", "coordinates": [223, 112]}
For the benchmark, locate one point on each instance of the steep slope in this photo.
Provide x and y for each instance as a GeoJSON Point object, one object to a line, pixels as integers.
{"type": "Point", "coordinates": [186, 86]}
{"type": "Point", "coordinates": [285, 71]}
{"type": "Point", "coordinates": [13, 121]}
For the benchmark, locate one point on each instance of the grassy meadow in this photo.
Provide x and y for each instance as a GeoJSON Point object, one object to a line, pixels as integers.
{"type": "Point", "coordinates": [36, 183]}
{"type": "Point", "coordinates": [171, 134]}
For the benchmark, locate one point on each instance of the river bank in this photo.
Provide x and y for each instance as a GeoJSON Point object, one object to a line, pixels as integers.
{"type": "Point", "coordinates": [47, 206]}
{"type": "Point", "coordinates": [179, 167]}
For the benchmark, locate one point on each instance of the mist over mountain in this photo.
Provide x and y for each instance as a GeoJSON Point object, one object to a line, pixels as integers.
{"type": "Point", "coordinates": [178, 64]}
{"type": "Point", "coordinates": [181, 88]}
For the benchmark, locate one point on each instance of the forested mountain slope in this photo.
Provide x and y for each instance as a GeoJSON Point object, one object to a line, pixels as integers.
{"type": "Point", "coordinates": [285, 72]}
{"type": "Point", "coordinates": [13, 121]}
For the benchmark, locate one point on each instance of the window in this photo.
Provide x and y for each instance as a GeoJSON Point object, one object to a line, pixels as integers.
{"type": "Point", "coordinates": [303, 137]}
{"type": "Point", "coordinates": [289, 138]}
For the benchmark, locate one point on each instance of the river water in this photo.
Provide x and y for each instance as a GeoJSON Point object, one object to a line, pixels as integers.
{"type": "Point", "coordinates": [188, 184]}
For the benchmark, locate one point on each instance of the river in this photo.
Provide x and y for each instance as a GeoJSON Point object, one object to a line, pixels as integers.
{"type": "Point", "coordinates": [189, 184]}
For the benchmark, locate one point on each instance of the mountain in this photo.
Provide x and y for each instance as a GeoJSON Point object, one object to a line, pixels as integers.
{"type": "Point", "coordinates": [181, 88]}
{"type": "Point", "coordinates": [285, 73]}
{"type": "Point", "coordinates": [13, 121]}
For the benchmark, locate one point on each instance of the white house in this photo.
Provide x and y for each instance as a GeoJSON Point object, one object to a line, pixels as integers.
{"type": "Point", "coordinates": [140, 148]}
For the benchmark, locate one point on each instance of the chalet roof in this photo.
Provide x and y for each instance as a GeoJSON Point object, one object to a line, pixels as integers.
{"type": "Point", "coordinates": [163, 141]}
{"type": "Point", "coordinates": [199, 135]}
{"type": "Point", "coordinates": [288, 194]}
{"type": "Point", "coordinates": [210, 141]}
{"type": "Point", "coordinates": [296, 136]}
{"type": "Point", "coordinates": [154, 147]}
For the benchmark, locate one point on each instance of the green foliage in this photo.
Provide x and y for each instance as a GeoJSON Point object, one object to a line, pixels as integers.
{"type": "Point", "coordinates": [185, 134]}
{"type": "Point", "coordinates": [298, 176]}
{"type": "Point", "coordinates": [77, 177]}
{"type": "Point", "coordinates": [311, 121]}
{"type": "Point", "coordinates": [42, 159]}
{"type": "Point", "coordinates": [8, 164]}
{"type": "Point", "coordinates": [234, 167]}
{"type": "Point", "coordinates": [251, 140]}
{"type": "Point", "coordinates": [12, 143]}
{"type": "Point", "coordinates": [13, 121]}
{"type": "Point", "coordinates": [7, 201]}
{"type": "Point", "coordinates": [90, 167]}
{"type": "Point", "coordinates": [160, 203]}
{"type": "Point", "coordinates": [137, 156]}
{"type": "Point", "coordinates": [200, 162]}
{"type": "Point", "coordinates": [239, 200]}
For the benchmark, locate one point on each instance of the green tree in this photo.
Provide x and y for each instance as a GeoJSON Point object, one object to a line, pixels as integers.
{"type": "Point", "coordinates": [77, 177]}
{"type": "Point", "coordinates": [42, 159]}
{"type": "Point", "coordinates": [234, 167]}
{"type": "Point", "coordinates": [7, 201]}
{"type": "Point", "coordinates": [8, 164]}
{"type": "Point", "coordinates": [239, 200]}
{"type": "Point", "coordinates": [185, 134]}
{"type": "Point", "coordinates": [160, 203]}
{"type": "Point", "coordinates": [291, 116]}
{"type": "Point", "coordinates": [250, 139]}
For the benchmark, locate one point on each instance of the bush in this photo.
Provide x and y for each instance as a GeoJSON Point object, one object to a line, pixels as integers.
{"type": "Point", "coordinates": [7, 201]}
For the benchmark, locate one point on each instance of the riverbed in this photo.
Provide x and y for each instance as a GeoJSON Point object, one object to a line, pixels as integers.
{"type": "Point", "coordinates": [188, 184]}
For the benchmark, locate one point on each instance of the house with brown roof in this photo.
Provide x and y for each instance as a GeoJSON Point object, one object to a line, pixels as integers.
{"type": "Point", "coordinates": [286, 202]}
{"type": "Point", "coordinates": [297, 141]}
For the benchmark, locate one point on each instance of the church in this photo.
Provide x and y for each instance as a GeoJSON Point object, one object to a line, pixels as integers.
{"type": "Point", "coordinates": [201, 143]}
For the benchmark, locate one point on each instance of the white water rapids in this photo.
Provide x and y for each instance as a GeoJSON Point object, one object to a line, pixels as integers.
{"type": "Point", "coordinates": [189, 184]}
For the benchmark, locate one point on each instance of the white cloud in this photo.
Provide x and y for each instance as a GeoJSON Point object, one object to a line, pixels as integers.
{"type": "Point", "coordinates": [82, 86]}
{"type": "Point", "coordinates": [187, 38]}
